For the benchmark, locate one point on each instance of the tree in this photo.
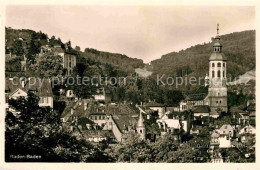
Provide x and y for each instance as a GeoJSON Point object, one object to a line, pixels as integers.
{"type": "Point", "coordinates": [34, 130]}
{"type": "Point", "coordinates": [184, 154]}
{"type": "Point", "coordinates": [48, 65]}
{"type": "Point", "coordinates": [163, 147]}
{"type": "Point", "coordinates": [132, 150]}
{"type": "Point", "coordinates": [17, 48]}
{"type": "Point", "coordinates": [77, 48]}
{"type": "Point", "coordinates": [172, 97]}
{"type": "Point", "coordinates": [34, 49]}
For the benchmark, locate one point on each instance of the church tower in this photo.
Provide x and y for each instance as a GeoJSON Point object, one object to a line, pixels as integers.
{"type": "Point", "coordinates": [140, 128]}
{"type": "Point", "coordinates": [217, 93]}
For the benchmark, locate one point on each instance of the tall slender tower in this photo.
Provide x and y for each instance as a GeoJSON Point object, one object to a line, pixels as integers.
{"type": "Point", "coordinates": [217, 93]}
{"type": "Point", "coordinates": [140, 128]}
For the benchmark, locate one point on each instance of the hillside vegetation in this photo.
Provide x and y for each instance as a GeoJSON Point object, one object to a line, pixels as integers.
{"type": "Point", "coordinates": [26, 42]}
{"type": "Point", "coordinates": [239, 47]}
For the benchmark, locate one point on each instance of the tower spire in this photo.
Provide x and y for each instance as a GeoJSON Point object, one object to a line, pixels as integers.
{"type": "Point", "coordinates": [217, 29]}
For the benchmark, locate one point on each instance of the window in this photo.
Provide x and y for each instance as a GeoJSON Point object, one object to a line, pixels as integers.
{"type": "Point", "coordinates": [219, 64]}
{"type": "Point", "coordinates": [218, 73]}
{"type": "Point", "coordinates": [213, 74]}
{"type": "Point", "coordinates": [141, 131]}
{"type": "Point", "coordinates": [220, 101]}
{"type": "Point", "coordinates": [216, 101]}
{"type": "Point", "coordinates": [223, 73]}
{"type": "Point", "coordinates": [213, 64]}
{"type": "Point", "coordinates": [223, 64]}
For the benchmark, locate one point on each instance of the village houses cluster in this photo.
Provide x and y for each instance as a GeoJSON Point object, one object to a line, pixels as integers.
{"type": "Point", "coordinates": [97, 118]}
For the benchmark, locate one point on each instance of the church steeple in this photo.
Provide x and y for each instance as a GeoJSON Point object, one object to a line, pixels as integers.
{"type": "Point", "coordinates": [217, 46]}
{"type": "Point", "coordinates": [140, 126]}
{"type": "Point", "coordinates": [217, 92]}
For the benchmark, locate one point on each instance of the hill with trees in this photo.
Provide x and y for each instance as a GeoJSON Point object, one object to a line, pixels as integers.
{"type": "Point", "coordinates": [239, 48]}
{"type": "Point", "coordinates": [20, 42]}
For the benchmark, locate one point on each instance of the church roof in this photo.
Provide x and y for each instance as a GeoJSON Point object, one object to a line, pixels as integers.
{"type": "Point", "coordinates": [199, 94]}
{"type": "Point", "coordinates": [201, 109]}
{"type": "Point", "coordinates": [217, 57]}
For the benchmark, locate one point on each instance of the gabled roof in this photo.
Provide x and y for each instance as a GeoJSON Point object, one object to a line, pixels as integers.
{"type": "Point", "coordinates": [123, 121]}
{"type": "Point", "coordinates": [41, 86]}
{"type": "Point", "coordinates": [226, 127]}
{"type": "Point", "coordinates": [201, 109]}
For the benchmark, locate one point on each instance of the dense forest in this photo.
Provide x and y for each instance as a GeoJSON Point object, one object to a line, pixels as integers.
{"type": "Point", "coordinates": [239, 48]}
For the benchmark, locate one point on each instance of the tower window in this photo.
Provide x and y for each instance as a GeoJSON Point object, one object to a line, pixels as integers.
{"type": "Point", "coordinates": [219, 64]}
{"type": "Point", "coordinates": [223, 64]}
{"type": "Point", "coordinates": [213, 74]}
{"type": "Point", "coordinates": [216, 101]}
{"type": "Point", "coordinates": [213, 64]}
{"type": "Point", "coordinates": [141, 131]}
{"type": "Point", "coordinates": [218, 73]}
{"type": "Point", "coordinates": [220, 101]}
{"type": "Point", "coordinates": [223, 73]}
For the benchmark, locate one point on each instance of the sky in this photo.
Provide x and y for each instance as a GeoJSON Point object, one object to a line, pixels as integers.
{"type": "Point", "coordinates": [144, 32]}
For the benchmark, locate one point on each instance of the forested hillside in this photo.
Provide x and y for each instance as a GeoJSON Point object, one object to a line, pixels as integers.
{"type": "Point", "coordinates": [239, 47]}
{"type": "Point", "coordinates": [28, 42]}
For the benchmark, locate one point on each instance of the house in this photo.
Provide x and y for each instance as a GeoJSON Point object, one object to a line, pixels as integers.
{"type": "Point", "coordinates": [102, 94]}
{"type": "Point", "coordinates": [99, 118]}
{"type": "Point", "coordinates": [247, 130]}
{"type": "Point", "coordinates": [147, 111]}
{"type": "Point", "coordinates": [170, 122]}
{"type": "Point", "coordinates": [121, 125]}
{"type": "Point", "coordinates": [221, 138]}
{"type": "Point", "coordinates": [183, 106]}
{"type": "Point", "coordinates": [246, 133]}
{"type": "Point", "coordinates": [241, 117]}
{"type": "Point", "coordinates": [88, 130]}
{"type": "Point", "coordinates": [15, 88]}
{"type": "Point", "coordinates": [69, 59]}
{"type": "Point", "coordinates": [214, 142]}
{"type": "Point", "coordinates": [77, 109]}
{"type": "Point", "coordinates": [158, 107]}
{"type": "Point", "coordinates": [227, 130]}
